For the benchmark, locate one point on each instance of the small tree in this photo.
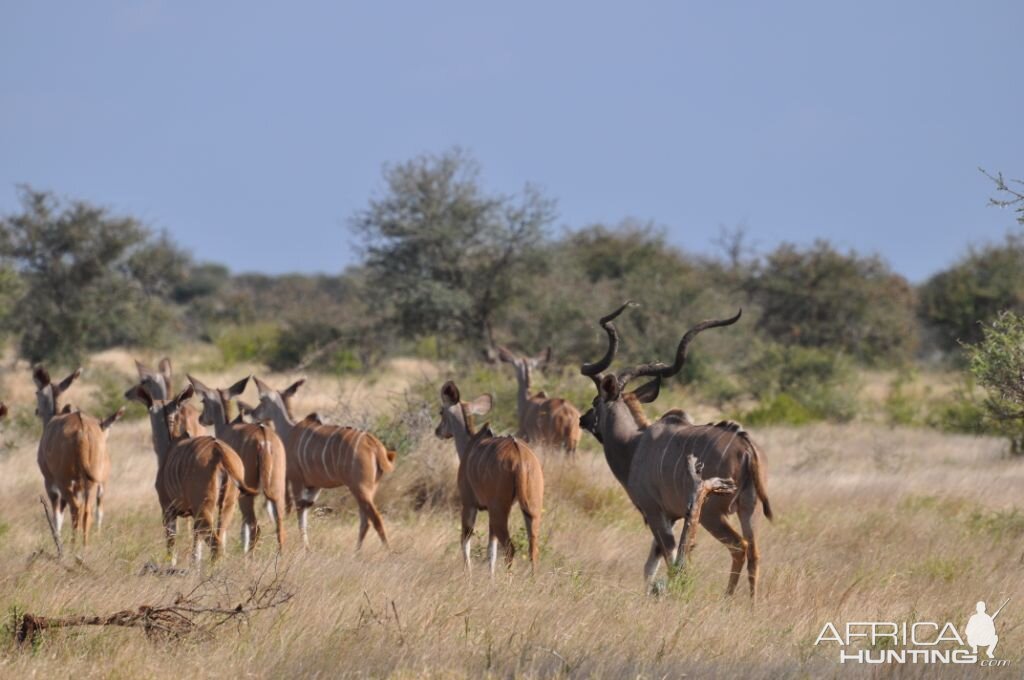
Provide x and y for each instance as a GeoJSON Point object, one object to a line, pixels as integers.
{"type": "Point", "coordinates": [90, 280]}
{"type": "Point", "coordinates": [442, 255]}
{"type": "Point", "coordinates": [998, 364]}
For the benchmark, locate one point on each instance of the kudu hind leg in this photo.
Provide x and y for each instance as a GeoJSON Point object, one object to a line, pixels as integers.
{"type": "Point", "coordinates": [533, 534]}
{"type": "Point", "coordinates": [468, 522]}
{"type": "Point", "coordinates": [250, 529]}
{"type": "Point", "coordinates": [499, 536]}
{"type": "Point", "coordinates": [719, 527]}
{"type": "Point", "coordinates": [369, 510]}
{"type": "Point", "coordinates": [753, 554]}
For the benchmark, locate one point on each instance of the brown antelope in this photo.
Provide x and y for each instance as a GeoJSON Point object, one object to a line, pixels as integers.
{"type": "Point", "coordinates": [72, 455]}
{"type": "Point", "coordinates": [158, 385]}
{"type": "Point", "coordinates": [650, 459]}
{"type": "Point", "coordinates": [494, 472]}
{"type": "Point", "coordinates": [542, 421]}
{"type": "Point", "coordinates": [325, 457]}
{"type": "Point", "coordinates": [198, 477]}
{"type": "Point", "coordinates": [262, 454]}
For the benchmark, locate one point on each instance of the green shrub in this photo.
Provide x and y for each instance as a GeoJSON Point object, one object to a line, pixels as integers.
{"type": "Point", "coordinates": [997, 362]}
{"type": "Point", "coordinates": [901, 407]}
{"type": "Point", "coordinates": [782, 409]}
{"type": "Point", "coordinates": [256, 342]}
{"type": "Point", "coordinates": [108, 396]}
{"type": "Point", "coordinates": [801, 384]}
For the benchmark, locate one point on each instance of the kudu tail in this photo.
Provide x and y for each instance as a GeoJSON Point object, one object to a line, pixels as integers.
{"type": "Point", "coordinates": [385, 459]}
{"type": "Point", "coordinates": [232, 465]}
{"type": "Point", "coordinates": [757, 477]}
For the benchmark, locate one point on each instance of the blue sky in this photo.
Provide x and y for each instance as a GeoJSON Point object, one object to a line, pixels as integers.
{"type": "Point", "coordinates": [251, 133]}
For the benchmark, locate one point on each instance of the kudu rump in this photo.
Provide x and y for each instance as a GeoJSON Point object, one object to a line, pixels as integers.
{"type": "Point", "coordinates": [72, 455]}
{"type": "Point", "coordinates": [542, 421]}
{"type": "Point", "coordinates": [198, 477]}
{"type": "Point", "coordinates": [651, 459]}
{"type": "Point", "coordinates": [494, 472]}
{"type": "Point", "coordinates": [262, 454]}
{"type": "Point", "coordinates": [325, 457]}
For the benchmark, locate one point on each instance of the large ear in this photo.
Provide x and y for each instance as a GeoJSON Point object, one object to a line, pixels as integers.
{"type": "Point", "coordinates": [293, 388]}
{"type": "Point", "coordinates": [3, 410]}
{"type": "Point", "coordinates": [142, 369]}
{"type": "Point", "coordinates": [609, 388]}
{"type": "Point", "coordinates": [542, 358]}
{"type": "Point", "coordinates": [139, 394]}
{"type": "Point", "coordinates": [481, 405]}
{"type": "Point", "coordinates": [449, 394]}
{"type": "Point", "coordinates": [66, 382]}
{"type": "Point", "coordinates": [235, 390]}
{"type": "Point", "coordinates": [165, 370]}
{"type": "Point", "coordinates": [200, 387]}
{"type": "Point", "coordinates": [505, 355]}
{"type": "Point", "coordinates": [648, 392]}
{"type": "Point", "coordinates": [262, 387]}
{"type": "Point", "coordinates": [185, 395]}
{"type": "Point", "coordinates": [41, 377]}
{"type": "Point", "coordinates": [111, 419]}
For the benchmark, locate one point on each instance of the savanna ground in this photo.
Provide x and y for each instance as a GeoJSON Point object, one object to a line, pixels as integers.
{"type": "Point", "coordinates": [873, 523]}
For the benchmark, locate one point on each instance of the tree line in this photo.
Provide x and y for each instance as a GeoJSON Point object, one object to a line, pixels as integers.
{"type": "Point", "coordinates": [449, 269]}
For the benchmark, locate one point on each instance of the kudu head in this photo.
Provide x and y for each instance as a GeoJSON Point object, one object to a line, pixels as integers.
{"type": "Point", "coordinates": [48, 393]}
{"type": "Point", "coordinates": [523, 365]}
{"type": "Point", "coordinates": [158, 382]}
{"type": "Point", "coordinates": [165, 415]}
{"type": "Point", "coordinates": [216, 402]}
{"type": "Point", "coordinates": [612, 407]}
{"type": "Point", "coordinates": [457, 415]}
{"type": "Point", "coordinates": [274, 405]}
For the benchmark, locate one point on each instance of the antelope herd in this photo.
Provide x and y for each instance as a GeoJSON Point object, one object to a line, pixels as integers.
{"type": "Point", "coordinates": [671, 468]}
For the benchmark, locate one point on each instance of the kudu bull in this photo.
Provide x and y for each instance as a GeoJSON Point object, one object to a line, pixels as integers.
{"type": "Point", "coordinates": [262, 454]}
{"type": "Point", "coordinates": [198, 477]}
{"type": "Point", "coordinates": [72, 455]}
{"type": "Point", "coordinates": [651, 459]}
{"type": "Point", "coordinates": [325, 457]}
{"type": "Point", "coordinates": [542, 421]}
{"type": "Point", "coordinates": [494, 472]}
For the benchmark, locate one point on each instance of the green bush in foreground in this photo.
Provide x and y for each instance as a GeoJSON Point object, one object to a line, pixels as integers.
{"type": "Point", "coordinates": [997, 362]}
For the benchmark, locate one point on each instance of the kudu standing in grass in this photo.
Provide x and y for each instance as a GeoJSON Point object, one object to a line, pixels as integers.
{"type": "Point", "coordinates": [494, 472]}
{"type": "Point", "coordinates": [325, 457]}
{"type": "Point", "coordinates": [542, 421]}
{"type": "Point", "coordinates": [650, 459]}
{"type": "Point", "coordinates": [198, 477]}
{"type": "Point", "coordinates": [72, 455]}
{"type": "Point", "coordinates": [158, 385]}
{"type": "Point", "coordinates": [262, 454]}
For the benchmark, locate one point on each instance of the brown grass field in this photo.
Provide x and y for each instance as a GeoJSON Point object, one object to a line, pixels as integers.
{"type": "Point", "coordinates": [873, 523]}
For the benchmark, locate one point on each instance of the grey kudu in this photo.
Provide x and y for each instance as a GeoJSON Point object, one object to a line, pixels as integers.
{"type": "Point", "coordinates": [653, 462]}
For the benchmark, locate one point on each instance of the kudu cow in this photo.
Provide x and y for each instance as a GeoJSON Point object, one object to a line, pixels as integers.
{"type": "Point", "coordinates": [543, 421]}
{"type": "Point", "coordinates": [325, 457]}
{"type": "Point", "coordinates": [198, 477]}
{"type": "Point", "coordinates": [262, 454]}
{"type": "Point", "coordinates": [158, 385]}
{"type": "Point", "coordinates": [650, 459]}
{"type": "Point", "coordinates": [494, 472]}
{"type": "Point", "coordinates": [72, 455]}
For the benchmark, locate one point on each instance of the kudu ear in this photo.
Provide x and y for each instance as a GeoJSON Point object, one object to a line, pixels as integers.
{"type": "Point", "coordinates": [3, 410]}
{"type": "Point", "coordinates": [141, 395]}
{"type": "Point", "coordinates": [481, 405]}
{"type": "Point", "coordinates": [449, 394]}
{"type": "Point", "coordinates": [262, 387]}
{"type": "Point", "coordinates": [68, 408]}
{"type": "Point", "coordinates": [609, 388]}
{"type": "Point", "coordinates": [293, 388]}
{"type": "Point", "coordinates": [542, 358]}
{"type": "Point", "coordinates": [648, 392]}
{"type": "Point", "coordinates": [66, 382]}
{"type": "Point", "coordinates": [111, 419]}
{"type": "Point", "coordinates": [238, 388]}
{"type": "Point", "coordinates": [200, 387]}
{"type": "Point", "coordinates": [165, 369]}
{"type": "Point", "coordinates": [505, 355]}
{"type": "Point", "coordinates": [142, 369]}
{"type": "Point", "coordinates": [185, 395]}
{"type": "Point", "coordinates": [41, 377]}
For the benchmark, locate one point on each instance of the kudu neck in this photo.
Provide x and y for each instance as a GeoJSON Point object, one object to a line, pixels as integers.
{"type": "Point", "coordinates": [283, 421]}
{"type": "Point", "coordinates": [463, 432]}
{"type": "Point", "coordinates": [620, 435]}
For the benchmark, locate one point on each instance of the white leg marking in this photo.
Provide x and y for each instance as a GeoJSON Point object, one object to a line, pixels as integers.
{"type": "Point", "coordinates": [245, 537]}
{"type": "Point", "coordinates": [492, 554]}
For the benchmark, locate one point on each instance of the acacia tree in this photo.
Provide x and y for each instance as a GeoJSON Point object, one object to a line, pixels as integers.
{"type": "Point", "coordinates": [442, 255]}
{"type": "Point", "coordinates": [998, 364]}
{"type": "Point", "coordinates": [89, 279]}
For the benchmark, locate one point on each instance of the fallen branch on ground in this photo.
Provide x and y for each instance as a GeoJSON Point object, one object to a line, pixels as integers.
{"type": "Point", "coordinates": [194, 614]}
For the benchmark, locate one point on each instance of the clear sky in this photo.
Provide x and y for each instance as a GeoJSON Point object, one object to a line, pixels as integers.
{"type": "Point", "coordinates": [252, 131]}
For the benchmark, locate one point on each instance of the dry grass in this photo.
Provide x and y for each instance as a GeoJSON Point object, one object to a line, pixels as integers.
{"type": "Point", "coordinates": [872, 522]}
